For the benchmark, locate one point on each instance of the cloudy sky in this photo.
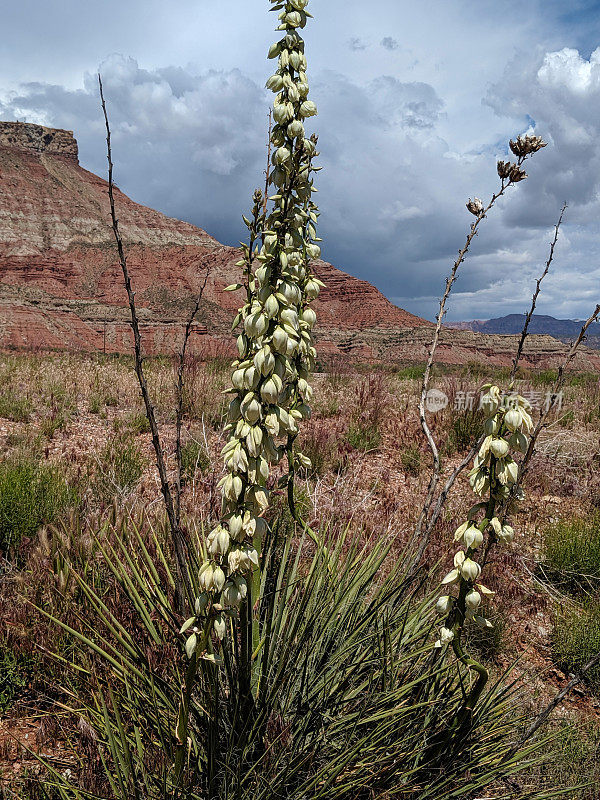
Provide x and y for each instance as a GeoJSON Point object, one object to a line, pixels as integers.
{"type": "Point", "coordinates": [416, 103]}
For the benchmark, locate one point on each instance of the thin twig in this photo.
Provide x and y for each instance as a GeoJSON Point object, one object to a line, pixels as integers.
{"type": "Point", "coordinates": [435, 475]}
{"type": "Point", "coordinates": [545, 713]}
{"type": "Point", "coordinates": [268, 169]}
{"type": "Point", "coordinates": [536, 294]}
{"type": "Point", "coordinates": [179, 399]}
{"type": "Point", "coordinates": [560, 381]}
{"type": "Point", "coordinates": [183, 580]}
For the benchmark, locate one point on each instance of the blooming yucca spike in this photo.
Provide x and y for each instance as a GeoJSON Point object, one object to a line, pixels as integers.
{"type": "Point", "coordinates": [270, 389]}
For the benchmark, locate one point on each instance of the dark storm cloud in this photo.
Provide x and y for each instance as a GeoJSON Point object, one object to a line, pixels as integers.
{"type": "Point", "coordinates": [402, 152]}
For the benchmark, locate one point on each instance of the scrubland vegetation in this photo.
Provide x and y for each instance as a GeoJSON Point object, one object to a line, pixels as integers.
{"type": "Point", "coordinates": [70, 495]}
{"type": "Point", "coordinates": [230, 587]}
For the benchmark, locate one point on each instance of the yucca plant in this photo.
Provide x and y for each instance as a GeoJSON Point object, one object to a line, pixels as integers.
{"type": "Point", "coordinates": [346, 697]}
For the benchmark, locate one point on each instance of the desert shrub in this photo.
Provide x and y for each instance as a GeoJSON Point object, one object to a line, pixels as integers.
{"type": "Point", "coordinates": [411, 459]}
{"type": "Point", "coordinates": [15, 407]}
{"type": "Point", "coordinates": [53, 422]}
{"type": "Point", "coordinates": [343, 681]}
{"type": "Point", "coordinates": [576, 639]}
{"type": "Point", "coordinates": [567, 419]}
{"type": "Point", "coordinates": [465, 428]}
{"type": "Point", "coordinates": [545, 377]}
{"type": "Point", "coordinates": [15, 673]}
{"type": "Point", "coordinates": [575, 759]}
{"type": "Point", "coordinates": [369, 405]}
{"type": "Point", "coordinates": [364, 436]}
{"type": "Point", "coordinates": [411, 373]}
{"type": "Point", "coordinates": [202, 393]}
{"type": "Point", "coordinates": [323, 445]}
{"type": "Point", "coordinates": [120, 466]}
{"type": "Point", "coordinates": [137, 423]}
{"type": "Point", "coordinates": [328, 407]}
{"type": "Point", "coordinates": [31, 494]}
{"type": "Point", "coordinates": [572, 552]}
{"type": "Point", "coordinates": [194, 458]}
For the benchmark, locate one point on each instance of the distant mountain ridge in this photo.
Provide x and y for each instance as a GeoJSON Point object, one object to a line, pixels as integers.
{"type": "Point", "coordinates": [565, 330]}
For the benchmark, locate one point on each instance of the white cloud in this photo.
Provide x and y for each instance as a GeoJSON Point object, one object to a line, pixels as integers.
{"type": "Point", "coordinates": [405, 136]}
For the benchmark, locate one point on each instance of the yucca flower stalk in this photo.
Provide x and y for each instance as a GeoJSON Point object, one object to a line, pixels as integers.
{"type": "Point", "coordinates": [495, 479]}
{"type": "Point", "coordinates": [270, 388]}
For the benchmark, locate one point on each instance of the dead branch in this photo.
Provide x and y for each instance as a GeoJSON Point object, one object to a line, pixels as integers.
{"type": "Point", "coordinates": [534, 299]}
{"type": "Point", "coordinates": [450, 280]}
{"type": "Point", "coordinates": [179, 398]}
{"type": "Point", "coordinates": [183, 580]}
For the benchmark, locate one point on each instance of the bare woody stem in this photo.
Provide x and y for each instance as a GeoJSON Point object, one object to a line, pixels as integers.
{"type": "Point", "coordinates": [435, 475]}
{"type": "Point", "coordinates": [557, 388]}
{"type": "Point", "coordinates": [538, 287]}
{"type": "Point", "coordinates": [179, 399]}
{"type": "Point", "coordinates": [183, 584]}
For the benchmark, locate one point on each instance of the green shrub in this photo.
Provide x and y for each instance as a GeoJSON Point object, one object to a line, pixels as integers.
{"type": "Point", "coordinates": [412, 373]}
{"type": "Point", "coordinates": [545, 377]}
{"type": "Point", "coordinates": [572, 552]}
{"type": "Point", "coordinates": [31, 494]}
{"type": "Point", "coordinates": [137, 423]}
{"type": "Point", "coordinates": [194, 458]}
{"type": "Point", "coordinates": [15, 408]}
{"type": "Point", "coordinates": [465, 429]}
{"type": "Point", "coordinates": [55, 421]}
{"type": "Point", "coordinates": [15, 673]}
{"type": "Point", "coordinates": [120, 467]}
{"type": "Point", "coordinates": [576, 639]}
{"type": "Point", "coordinates": [364, 436]}
{"type": "Point", "coordinates": [412, 459]}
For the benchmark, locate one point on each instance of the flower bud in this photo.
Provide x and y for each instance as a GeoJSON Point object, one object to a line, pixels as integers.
{"type": "Point", "coordinates": [235, 526]}
{"type": "Point", "coordinates": [219, 626]}
{"type": "Point", "coordinates": [499, 447]}
{"type": "Point", "coordinates": [513, 419]}
{"type": "Point", "coordinates": [280, 340]}
{"type": "Point", "coordinates": [312, 289]}
{"type": "Point", "coordinates": [275, 83]}
{"type": "Point", "coordinates": [470, 570]}
{"type": "Point", "coordinates": [473, 600]}
{"type": "Point", "coordinates": [274, 50]}
{"type": "Point", "coordinates": [269, 391]}
{"type": "Point", "coordinates": [308, 316]}
{"type": "Point", "coordinates": [281, 155]}
{"type": "Point", "coordinates": [473, 537]}
{"type": "Point", "coordinates": [205, 577]}
{"type": "Point", "coordinates": [218, 579]}
{"type": "Point", "coordinates": [446, 636]}
{"type": "Point", "coordinates": [506, 534]}
{"type": "Point", "coordinates": [250, 408]}
{"type": "Point", "coordinates": [308, 109]}
{"type": "Point", "coordinates": [490, 401]}
{"type": "Point", "coordinates": [295, 129]}
{"type": "Point", "coordinates": [444, 604]}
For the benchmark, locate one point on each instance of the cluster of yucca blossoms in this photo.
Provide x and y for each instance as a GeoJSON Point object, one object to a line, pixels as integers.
{"type": "Point", "coordinates": [276, 352]}
{"type": "Point", "coordinates": [493, 477]}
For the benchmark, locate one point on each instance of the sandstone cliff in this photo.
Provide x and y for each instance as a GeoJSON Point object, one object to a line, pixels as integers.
{"type": "Point", "coordinates": [61, 286]}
